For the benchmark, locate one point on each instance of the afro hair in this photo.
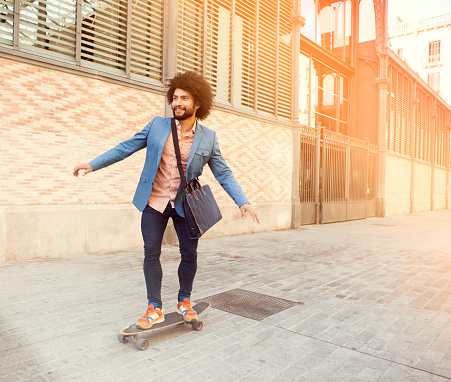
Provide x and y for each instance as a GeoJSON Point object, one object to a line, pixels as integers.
{"type": "Point", "coordinates": [198, 87]}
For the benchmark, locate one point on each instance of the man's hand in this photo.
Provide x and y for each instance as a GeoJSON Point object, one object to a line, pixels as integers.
{"type": "Point", "coordinates": [246, 207]}
{"type": "Point", "coordinates": [85, 167]}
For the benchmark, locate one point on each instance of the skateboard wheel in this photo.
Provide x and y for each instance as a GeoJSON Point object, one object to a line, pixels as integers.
{"type": "Point", "coordinates": [142, 344]}
{"type": "Point", "coordinates": [197, 325]}
{"type": "Point", "coordinates": [122, 339]}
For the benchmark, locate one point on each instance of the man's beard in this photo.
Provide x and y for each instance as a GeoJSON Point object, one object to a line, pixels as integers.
{"type": "Point", "coordinates": [187, 114]}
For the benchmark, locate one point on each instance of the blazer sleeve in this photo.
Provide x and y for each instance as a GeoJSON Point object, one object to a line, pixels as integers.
{"type": "Point", "coordinates": [224, 175]}
{"type": "Point", "coordinates": [122, 150]}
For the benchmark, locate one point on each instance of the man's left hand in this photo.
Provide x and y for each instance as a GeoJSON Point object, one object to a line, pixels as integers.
{"type": "Point", "coordinates": [246, 207]}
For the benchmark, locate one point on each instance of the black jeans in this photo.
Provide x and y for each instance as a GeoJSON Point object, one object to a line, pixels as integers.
{"type": "Point", "coordinates": [153, 225]}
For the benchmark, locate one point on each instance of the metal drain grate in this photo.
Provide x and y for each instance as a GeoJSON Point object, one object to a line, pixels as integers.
{"type": "Point", "coordinates": [248, 304]}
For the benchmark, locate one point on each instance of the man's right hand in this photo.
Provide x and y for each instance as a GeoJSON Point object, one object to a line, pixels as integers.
{"type": "Point", "coordinates": [85, 167]}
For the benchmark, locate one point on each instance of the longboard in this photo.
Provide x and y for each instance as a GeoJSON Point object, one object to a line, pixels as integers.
{"type": "Point", "coordinates": [133, 333]}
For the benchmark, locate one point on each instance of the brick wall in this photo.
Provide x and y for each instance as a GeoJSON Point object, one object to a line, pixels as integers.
{"type": "Point", "coordinates": [52, 121]}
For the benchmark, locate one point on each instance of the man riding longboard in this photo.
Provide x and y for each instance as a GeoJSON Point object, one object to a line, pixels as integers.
{"type": "Point", "coordinates": [159, 192]}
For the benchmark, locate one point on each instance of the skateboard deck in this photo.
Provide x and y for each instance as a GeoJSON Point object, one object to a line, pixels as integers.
{"type": "Point", "coordinates": [171, 319]}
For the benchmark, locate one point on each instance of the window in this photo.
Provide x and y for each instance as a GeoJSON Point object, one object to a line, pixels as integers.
{"type": "Point", "coordinates": [219, 48]}
{"type": "Point", "coordinates": [147, 39]}
{"type": "Point", "coordinates": [267, 48]}
{"type": "Point", "coordinates": [285, 62]}
{"type": "Point", "coordinates": [434, 81]}
{"type": "Point", "coordinates": [244, 54]}
{"type": "Point", "coordinates": [434, 52]}
{"type": "Point", "coordinates": [103, 32]}
{"type": "Point", "coordinates": [6, 21]}
{"type": "Point", "coordinates": [324, 95]}
{"type": "Point", "coordinates": [328, 23]}
{"type": "Point", "coordinates": [190, 35]}
{"type": "Point", "coordinates": [247, 53]}
{"type": "Point", "coordinates": [117, 36]}
{"type": "Point", "coordinates": [48, 25]}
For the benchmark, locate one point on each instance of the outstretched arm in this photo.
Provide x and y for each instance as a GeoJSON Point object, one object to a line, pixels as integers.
{"type": "Point", "coordinates": [83, 167]}
{"type": "Point", "coordinates": [246, 207]}
{"type": "Point", "coordinates": [116, 154]}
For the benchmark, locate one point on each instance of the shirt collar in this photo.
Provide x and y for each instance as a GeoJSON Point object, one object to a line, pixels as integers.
{"type": "Point", "coordinates": [179, 126]}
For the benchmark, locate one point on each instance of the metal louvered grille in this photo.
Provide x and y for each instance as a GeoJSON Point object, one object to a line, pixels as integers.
{"type": "Point", "coordinates": [440, 133]}
{"type": "Point", "coordinates": [418, 131]}
{"type": "Point", "coordinates": [48, 26]}
{"type": "Point", "coordinates": [147, 39]}
{"type": "Point", "coordinates": [428, 127]}
{"type": "Point", "coordinates": [398, 112]}
{"type": "Point", "coordinates": [423, 133]}
{"type": "Point", "coordinates": [243, 47]}
{"type": "Point", "coordinates": [219, 32]}
{"type": "Point", "coordinates": [6, 21]}
{"type": "Point", "coordinates": [388, 110]}
{"type": "Point", "coordinates": [267, 48]}
{"type": "Point", "coordinates": [190, 36]}
{"type": "Point", "coordinates": [284, 88]}
{"type": "Point", "coordinates": [244, 58]}
{"type": "Point", "coordinates": [408, 117]}
{"type": "Point", "coordinates": [51, 27]}
{"type": "Point", "coordinates": [104, 32]}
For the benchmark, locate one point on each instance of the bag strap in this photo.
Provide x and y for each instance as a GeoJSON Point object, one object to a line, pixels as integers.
{"type": "Point", "coordinates": [177, 153]}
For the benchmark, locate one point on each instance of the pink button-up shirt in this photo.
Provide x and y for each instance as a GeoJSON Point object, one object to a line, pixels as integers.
{"type": "Point", "coordinates": [167, 179]}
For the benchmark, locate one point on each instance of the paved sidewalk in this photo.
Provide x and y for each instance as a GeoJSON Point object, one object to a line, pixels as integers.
{"type": "Point", "coordinates": [376, 297]}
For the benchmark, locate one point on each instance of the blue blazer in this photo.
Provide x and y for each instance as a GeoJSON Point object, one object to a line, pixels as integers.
{"type": "Point", "coordinates": [205, 149]}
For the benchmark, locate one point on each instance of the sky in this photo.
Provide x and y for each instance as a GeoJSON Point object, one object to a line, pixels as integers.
{"type": "Point", "coordinates": [417, 9]}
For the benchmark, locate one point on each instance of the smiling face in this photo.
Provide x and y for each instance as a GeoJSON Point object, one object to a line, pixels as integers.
{"type": "Point", "coordinates": [183, 106]}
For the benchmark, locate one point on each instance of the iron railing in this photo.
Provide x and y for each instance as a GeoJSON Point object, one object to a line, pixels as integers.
{"type": "Point", "coordinates": [335, 168]}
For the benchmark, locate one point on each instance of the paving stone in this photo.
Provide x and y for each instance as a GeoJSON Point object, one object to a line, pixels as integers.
{"type": "Point", "coordinates": [376, 306]}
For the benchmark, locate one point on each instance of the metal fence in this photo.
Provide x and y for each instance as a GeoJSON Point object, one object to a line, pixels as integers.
{"type": "Point", "coordinates": [338, 176]}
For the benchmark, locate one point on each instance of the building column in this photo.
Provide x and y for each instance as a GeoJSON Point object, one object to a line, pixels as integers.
{"type": "Point", "coordinates": [298, 22]}
{"type": "Point", "coordinates": [316, 175]}
{"type": "Point", "coordinates": [170, 47]}
{"type": "Point", "coordinates": [414, 102]}
{"type": "Point", "coordinates": [433, 152]}
{"type": "Point", "coordinates": [447, 165]}
{"type": "Point", "coordinates": [352, 124]}
{"type": "Point", "coordinates": [448, 169]}
{"type": "Point", "coordinates": [382, 85]}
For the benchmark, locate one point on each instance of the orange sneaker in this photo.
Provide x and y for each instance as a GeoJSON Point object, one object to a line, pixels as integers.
{"type": "Point", "coordinates": [184, 308]}
{"type": "Point", "coordinates": [151, 317]}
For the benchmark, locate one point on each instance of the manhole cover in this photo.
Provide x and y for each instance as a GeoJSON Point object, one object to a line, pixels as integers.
{"type": "Point", "coordinates": [248, 304]}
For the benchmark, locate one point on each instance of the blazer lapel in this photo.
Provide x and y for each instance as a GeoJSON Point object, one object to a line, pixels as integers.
{"type": "Point", "coordinates": [196, 141]}
{"type": "Point", "coordinates": [165, 131]}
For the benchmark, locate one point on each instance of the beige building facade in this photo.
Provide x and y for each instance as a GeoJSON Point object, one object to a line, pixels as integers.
{"type": "Point", "coordinates": [425, 45]}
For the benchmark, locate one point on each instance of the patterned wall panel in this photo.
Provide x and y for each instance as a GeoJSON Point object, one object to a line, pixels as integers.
{"type": "Point", "coordinates": [398, 178]}
{"type": "Point", "coordinates": [246, 146]}
{"type": "Point", "coordinates": [422, 186]}
{"type": "Point", "coordinates": [439, 183]}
